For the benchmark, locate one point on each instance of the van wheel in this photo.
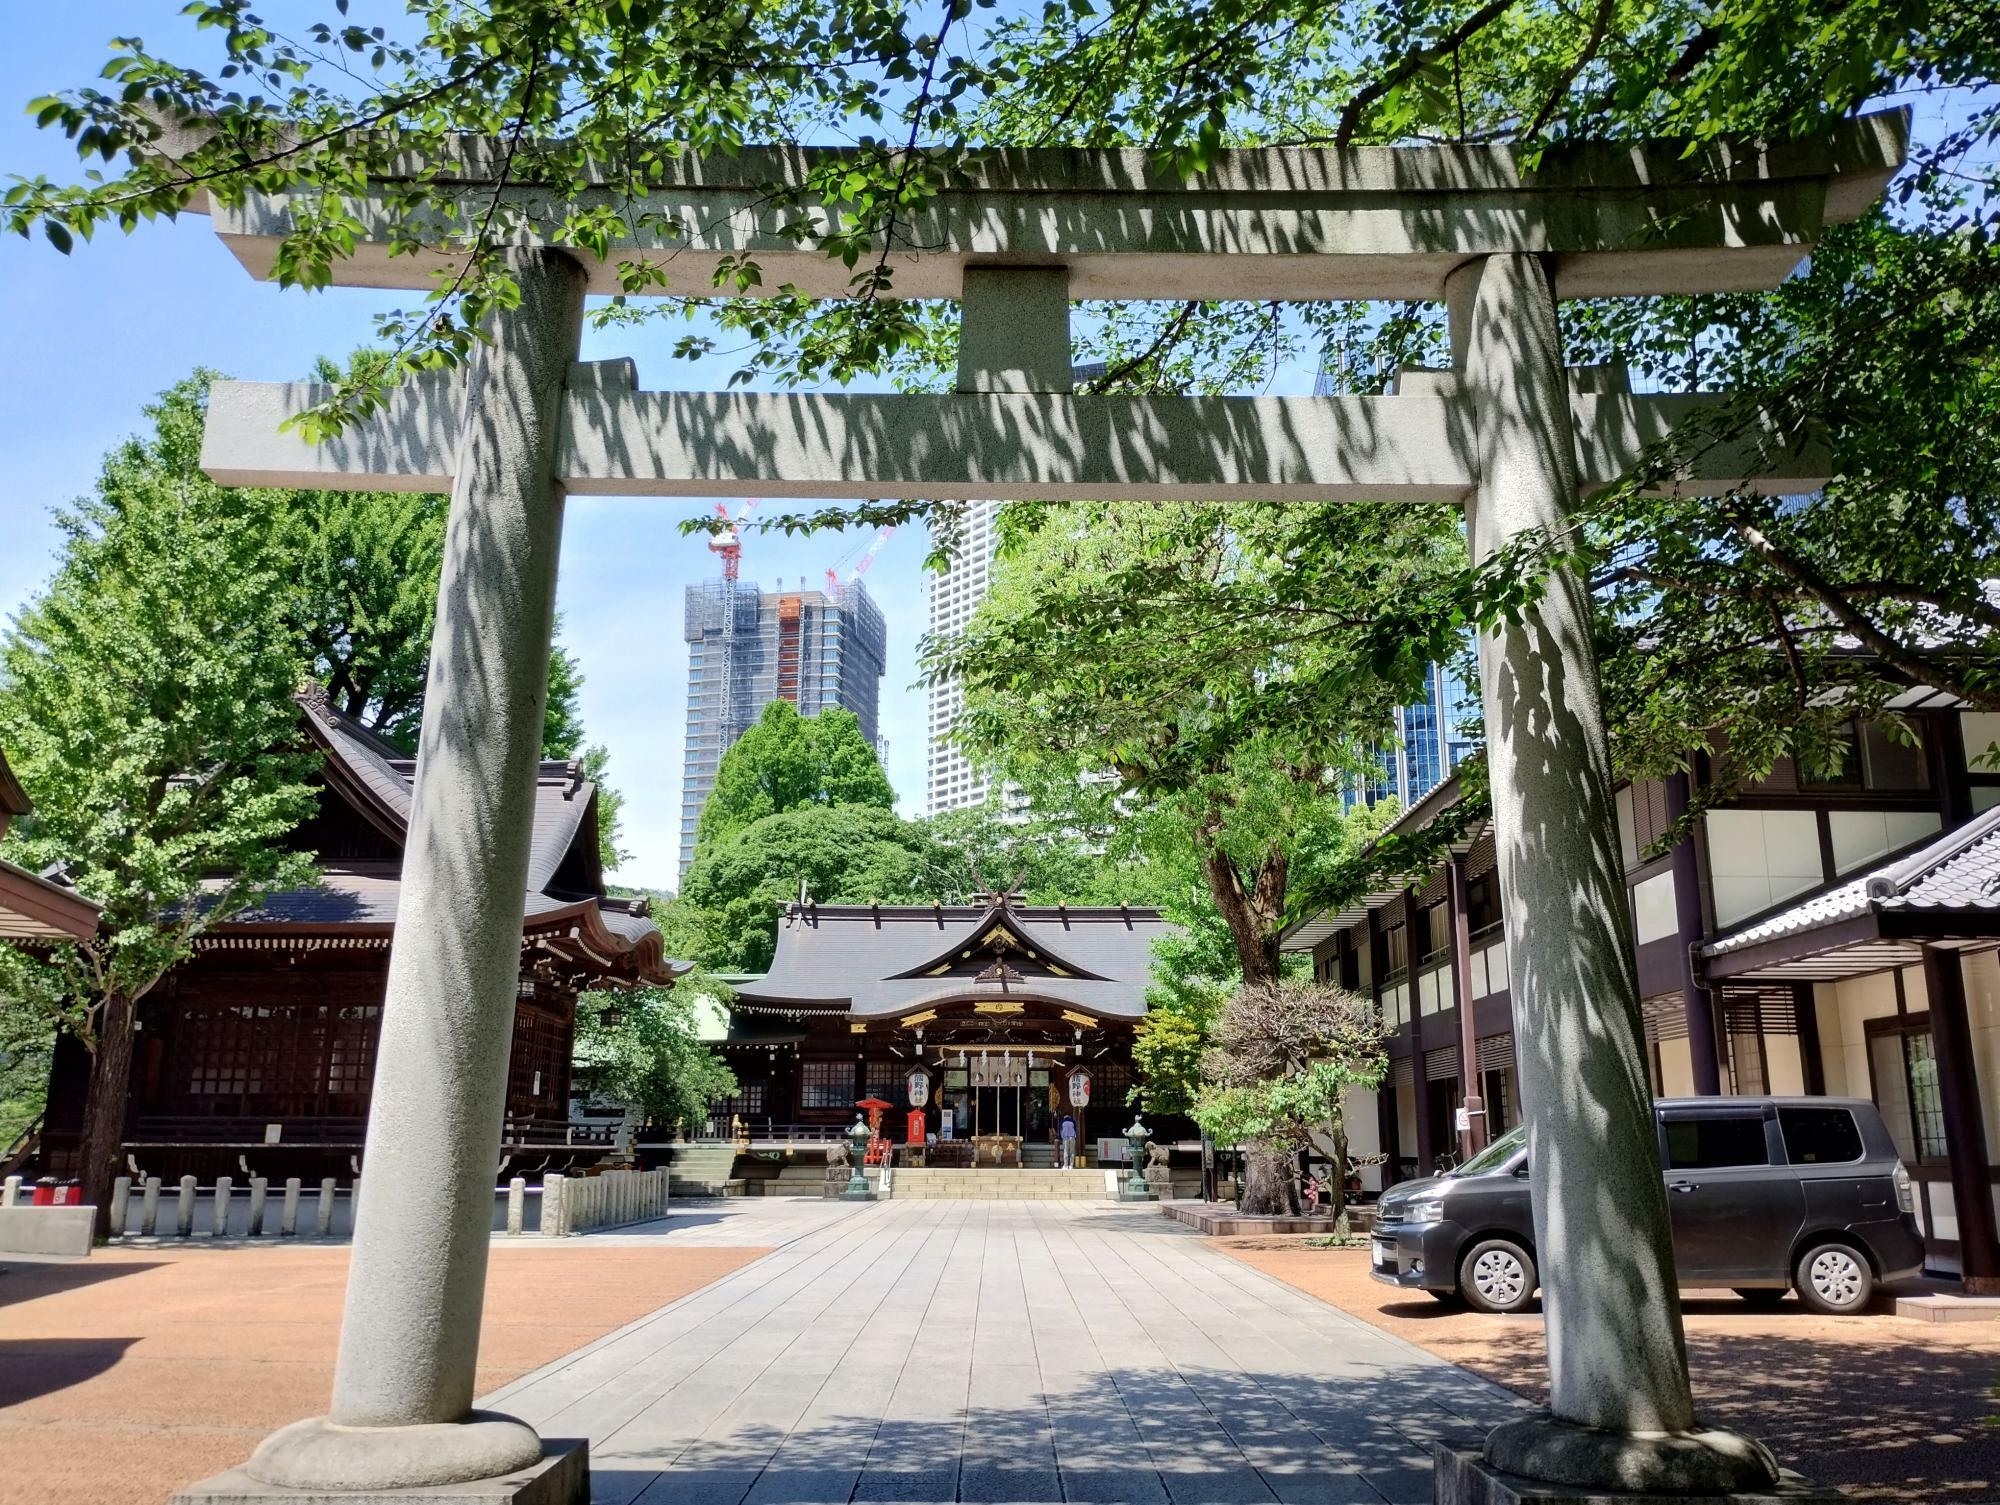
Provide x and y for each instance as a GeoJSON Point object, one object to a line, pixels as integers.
{"type": "Point", "coordinates": [1497, 1275]}
{"type": "Point", "coordinates": [1833, 1280]}
{"type": "Point", "coordinates": [1762, 1297]}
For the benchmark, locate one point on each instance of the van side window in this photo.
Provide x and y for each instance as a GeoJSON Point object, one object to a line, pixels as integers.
{"type": "Point", "coordinates": [1819, 1136]}
{"type": "Point", "coordinates": [1699, 1144]}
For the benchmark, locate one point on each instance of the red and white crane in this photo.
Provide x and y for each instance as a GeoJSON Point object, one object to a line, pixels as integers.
{"type": "Point", "coordinates": [836, 587]}
{"type": "Point", "coordinates": [727, 542]}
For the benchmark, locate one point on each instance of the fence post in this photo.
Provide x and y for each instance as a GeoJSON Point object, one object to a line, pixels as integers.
{"type": "Point", "coordinates": [121, 1198]}
{"type": "Point", "coordinates": [218, 1223]}
{"type": "Point", "coordinates": [288, 1220]}
{"type": "Point", "coordinates": [329, 1189]}
{"type": "Point", "coordinates": [517, 1197]}
{"type": "Point", "coordinates": [259, 1190]}
{"type": "Point", "coordinates": [354, 1205]}
{"type": "Point", "coordinates": [10, 1191]}
{"type": "Point", "coordinates": [149, 1207]}
{"type": "Point", "coordinates": [552, 1206]}
{"type": "Point", "coordinates": [184, 1208]}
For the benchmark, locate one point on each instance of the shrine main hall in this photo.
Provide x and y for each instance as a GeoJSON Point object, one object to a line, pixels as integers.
{"type": "Point", "coordinates": [979, 1026]}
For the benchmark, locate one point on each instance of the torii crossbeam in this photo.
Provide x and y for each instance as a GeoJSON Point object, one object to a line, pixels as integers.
{"type": "Point", "coordinates": [1507, 432]}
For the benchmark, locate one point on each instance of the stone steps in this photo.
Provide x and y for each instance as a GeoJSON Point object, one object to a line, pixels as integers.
{"type": "Point", "coordinates": [1026, 1184]}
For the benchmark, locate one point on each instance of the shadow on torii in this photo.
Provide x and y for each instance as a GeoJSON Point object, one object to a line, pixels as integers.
{"type": "Point", "coordinates": [1508, 433]}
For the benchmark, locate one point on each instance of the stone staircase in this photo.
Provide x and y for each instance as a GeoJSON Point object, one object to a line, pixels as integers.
{"type": "Point", "coordinates": [1027, 1184]}
{"type": "Point", "coordinates": [703, 1170]}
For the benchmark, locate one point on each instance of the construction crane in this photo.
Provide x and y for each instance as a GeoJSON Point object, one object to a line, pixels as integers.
{"type": "Point", "coordinates": [836, 588]}
{"type": "Point", "coordinates": [728, 543]}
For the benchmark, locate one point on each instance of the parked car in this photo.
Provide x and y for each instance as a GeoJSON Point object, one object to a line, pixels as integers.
{"type": "Point", "coordinates": [1767, 1194]}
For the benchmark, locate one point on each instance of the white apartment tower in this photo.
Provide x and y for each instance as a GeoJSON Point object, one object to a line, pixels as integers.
{"type": "Point", "coordinates": [952, 781]}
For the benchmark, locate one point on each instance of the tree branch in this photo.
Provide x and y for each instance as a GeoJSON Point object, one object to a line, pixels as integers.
{"type": "Point", "coordinates": [1413, 63]}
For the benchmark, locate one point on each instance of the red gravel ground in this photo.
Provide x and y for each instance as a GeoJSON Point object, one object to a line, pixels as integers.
{"type": "Point", "coordinates": [1886, 1407]}
{"type": "Point", "coordinates": [130, 1374]}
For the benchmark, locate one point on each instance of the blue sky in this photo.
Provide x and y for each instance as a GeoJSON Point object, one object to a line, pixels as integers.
{"type": "Point", "coordinates": [92, 336]}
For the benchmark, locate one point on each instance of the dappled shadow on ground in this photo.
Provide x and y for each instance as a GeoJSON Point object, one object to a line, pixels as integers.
{"type": "Point", "coordinates": [1148, 1435]}
{"type": "Point", "coordinates": [1887, 1408]}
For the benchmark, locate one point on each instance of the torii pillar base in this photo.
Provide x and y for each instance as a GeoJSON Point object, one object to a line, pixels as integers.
{"type": "Point", "coordinates": [560, 1477]}
{"type": "Point", "coordinates": [1464, 1477]}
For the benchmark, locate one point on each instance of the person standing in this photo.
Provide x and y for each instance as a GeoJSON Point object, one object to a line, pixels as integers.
{"type": "Point", "coordinates": [1068, 1132]}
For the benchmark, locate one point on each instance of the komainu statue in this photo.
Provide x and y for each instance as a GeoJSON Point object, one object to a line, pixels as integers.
{"type": "Point", "coordinates": [1158, 1176]}
{"type": "Point", "coordinates": [837, 1158]}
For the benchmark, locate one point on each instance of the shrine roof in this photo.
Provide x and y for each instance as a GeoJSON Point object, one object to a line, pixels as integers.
{"type": "Point", "coordinates": [356, 902]}
{"type": "Point", "coordinates": [881, 960]}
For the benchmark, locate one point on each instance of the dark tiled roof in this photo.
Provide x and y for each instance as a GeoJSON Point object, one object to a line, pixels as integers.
{"type": "Point", "coordinates": [364, 896]}
{"type": "Point", "coordinates": [1957, 873]}
{"type": "Point", "coordinates": [851, 957]}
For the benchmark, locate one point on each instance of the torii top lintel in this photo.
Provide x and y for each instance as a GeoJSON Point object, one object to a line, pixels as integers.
{"type": "Point", "coordinates": [1263, 223]}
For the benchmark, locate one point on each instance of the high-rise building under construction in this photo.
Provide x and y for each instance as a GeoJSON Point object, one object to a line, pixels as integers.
{"type": "Point", "coordinates": [748, 647]}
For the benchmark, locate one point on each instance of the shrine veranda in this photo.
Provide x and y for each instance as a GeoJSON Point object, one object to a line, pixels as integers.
{"type": "Point", "coordinates": [1507, 432]}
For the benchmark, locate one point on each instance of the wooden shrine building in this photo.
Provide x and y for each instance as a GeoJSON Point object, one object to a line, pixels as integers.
{"type": "Point", "coordinates": [979, 1024]}
{"type": "Point", "coordinates": [260, 1049]}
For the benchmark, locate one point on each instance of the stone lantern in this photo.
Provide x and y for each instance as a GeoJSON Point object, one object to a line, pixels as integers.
{"type": "Point", "coordinates": [857, 1140]}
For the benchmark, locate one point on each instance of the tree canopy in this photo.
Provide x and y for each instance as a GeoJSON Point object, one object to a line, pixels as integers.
{"type": "Point", "coordinates": [146, 706]}
{"type": "Point", "coordinates": [841, 853]}
{"type": "Point", "coordinates": [788, 761]}
{"type": "Point", "coordinates": [644, 1048]}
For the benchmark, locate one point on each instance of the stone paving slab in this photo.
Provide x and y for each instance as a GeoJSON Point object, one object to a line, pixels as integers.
{"type": "Point", "coordinates": [997, 1351]}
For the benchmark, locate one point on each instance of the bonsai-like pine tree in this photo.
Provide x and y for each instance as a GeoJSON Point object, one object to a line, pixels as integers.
{"type": "Point", "coordinates": [1284, 1056]}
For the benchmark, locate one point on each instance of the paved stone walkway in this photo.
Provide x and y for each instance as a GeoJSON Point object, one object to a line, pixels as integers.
{"type": "Point", "coordinates": [997, 1351]}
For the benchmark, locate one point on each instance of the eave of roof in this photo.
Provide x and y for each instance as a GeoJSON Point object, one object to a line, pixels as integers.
{"type": "Point", "coordinates": [1308, 933]}
{"type": "Point", "coordinates": [1945, 891]}
{"type": "Point", "coordinates": [34, 909]}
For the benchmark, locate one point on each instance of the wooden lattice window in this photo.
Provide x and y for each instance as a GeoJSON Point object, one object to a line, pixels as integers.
{"type": "Point", "coordinates": [826, 1084]}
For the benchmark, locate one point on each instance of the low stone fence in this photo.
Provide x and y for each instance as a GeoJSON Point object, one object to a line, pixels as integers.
{"type": "Point", "coordinates": [576, 1204]}
{"type": "Point", "coordinates": [152, 1208]}
{"type": "Point", "coordinates": [156, 1208]}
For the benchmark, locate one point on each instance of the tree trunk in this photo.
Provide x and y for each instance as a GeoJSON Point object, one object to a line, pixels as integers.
{"type": "Point", "coordinates": [1253, 928]}
{"type": "Point", "coordinates": [104, 1109]}
{"type": "Point", "coordinates": [1339, 1200]}
{"type": "Point", "coordinates": [1269, 1189]}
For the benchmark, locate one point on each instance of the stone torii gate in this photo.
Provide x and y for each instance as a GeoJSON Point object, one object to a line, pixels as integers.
{"type": "Point", "coordinates": [1507, 432]}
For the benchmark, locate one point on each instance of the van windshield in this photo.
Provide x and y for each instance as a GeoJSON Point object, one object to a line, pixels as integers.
{"type": "Point", "coordinates": [1495, 1154]}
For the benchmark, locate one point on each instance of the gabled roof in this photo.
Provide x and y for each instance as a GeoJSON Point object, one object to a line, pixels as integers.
{"type": "Point", "coordinates": [1945, 892]}
{"type": "Point", "coordinates": [876, 960]}
{"type": "Point", "coordinates": [357, 901]}
{"type": "Point", "coordinates": [1001, 932]}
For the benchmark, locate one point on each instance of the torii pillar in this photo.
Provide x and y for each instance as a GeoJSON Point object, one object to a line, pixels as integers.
{"type": "Point", "coordinates": [1621, 1412]}
{"type": "Point", "coordinates": [403, 1386]}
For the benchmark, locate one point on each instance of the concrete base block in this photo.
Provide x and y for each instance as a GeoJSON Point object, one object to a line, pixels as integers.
{"type": "Point", "coordinates": [47, 1230]}
{"type": "Point", "coordinates": [561, 1478]}
{"type": "Point", "coordinates": [1463, 1477]}
{"type": "Point", "coordinates": [1949, 1308]}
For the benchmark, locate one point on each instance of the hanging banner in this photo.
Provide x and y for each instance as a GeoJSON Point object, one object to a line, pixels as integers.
{"type": "Point", "coordinates": [1079, 1088]}
{"type": "Point", "coordinates": [919, 1084]}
